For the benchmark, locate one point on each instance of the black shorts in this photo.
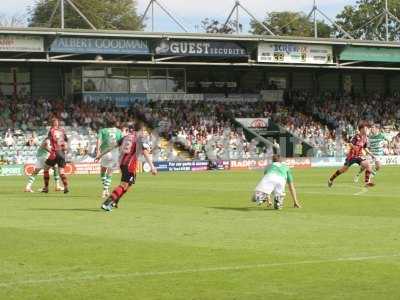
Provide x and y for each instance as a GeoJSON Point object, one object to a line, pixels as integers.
{"type": "Point", "coordinates": [127, 176]}
{"type": "Point", "coordinates": [59, 160]}
{"type": "Point", "coordinates": [354, 160]}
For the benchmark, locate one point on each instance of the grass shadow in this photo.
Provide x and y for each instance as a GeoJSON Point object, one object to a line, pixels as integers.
{"type": "Point", "coordinates": [251, 208]}
{"type": "Point", "coordinates": [67, 209]}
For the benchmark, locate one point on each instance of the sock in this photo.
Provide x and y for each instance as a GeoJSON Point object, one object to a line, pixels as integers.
{"type": "Point", "coordinates": [116, 201]}
{"type": "Point", "coordinates": [374, 171]}
{"type": "Point", "coordinates": [31, 180]}
{"type": "Point", "coordinates": [107, 182]}
{"type": "Point", "coordinates": [103, 177]}
{"type": "Point", "coordinates": [56, 175]}
{"type": "Point", "coordinates": [64, 180]}
{"type": "Point", "coordinates": [118, 192]}
{"type": "Point", "coordinates": [367, 176]}
{"type": "Point", "coordinates": [46, 177]}
{"type": "Point", "coordinates": [336, 174]}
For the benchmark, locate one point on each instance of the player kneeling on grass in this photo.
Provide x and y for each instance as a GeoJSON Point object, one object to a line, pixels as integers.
{"type": "Point", "coordinates": [130, 147]}
{"type": "Point", "coordinates": [274, 181]}
{"type": "Point", "coordinates": [358, 144]}
{"type": "Point", "coordinates": [42, 155]}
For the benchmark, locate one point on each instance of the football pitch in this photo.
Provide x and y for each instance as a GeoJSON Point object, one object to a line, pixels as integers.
{"type": "Point", "coordinates": [197, 236]}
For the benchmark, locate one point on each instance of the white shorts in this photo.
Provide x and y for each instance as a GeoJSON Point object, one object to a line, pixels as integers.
{"type": "Point", "coordinates": [40, 162]}
{"type": "Point", "coordinates": [110, 160]}
{"type": "Point", "coordinates": [271, 183]}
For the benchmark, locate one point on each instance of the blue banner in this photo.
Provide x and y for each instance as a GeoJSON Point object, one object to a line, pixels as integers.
{"type": "Point", "coordinates": [99, 45]}
{"type": "Point", "coordinates": [200, 48]}
{"type": "Point", "coordinates": [197, 165]}
{"type": "Point", "coordinates": [120, 99]}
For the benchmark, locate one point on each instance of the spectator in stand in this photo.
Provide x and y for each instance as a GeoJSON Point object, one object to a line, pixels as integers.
{"type": "Point", "coordinates": [32, 140]}
{"type": "Point", "coordinates": [18, 159]}
{"type": "Point", "coordinates": [9, 139]}
{"type": "Point", "coordinates": [396, 144]}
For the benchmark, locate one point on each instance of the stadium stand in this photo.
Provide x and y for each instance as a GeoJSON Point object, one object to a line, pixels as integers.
{"type": "Point", "coordinates": [200, 130]}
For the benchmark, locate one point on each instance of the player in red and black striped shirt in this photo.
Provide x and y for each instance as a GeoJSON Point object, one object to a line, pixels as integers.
{"type": "Point", "coordinates": [130, 147]}
{"type": "Point", "coordinates": [358, 145]}
{"type": "Point", "coordinates": [58, 141]}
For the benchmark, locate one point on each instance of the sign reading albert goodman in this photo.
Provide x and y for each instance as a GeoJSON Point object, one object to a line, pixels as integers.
{"type": "Point", "coordinates": [99, 45]}
{"type": "Point", "coordinates": [200, 48]}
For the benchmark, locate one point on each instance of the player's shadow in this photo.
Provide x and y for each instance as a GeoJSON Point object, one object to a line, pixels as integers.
{"type": "Point", "coordinates": [252, 208]}
{"type": "Point", "coordinates": [67, 209]}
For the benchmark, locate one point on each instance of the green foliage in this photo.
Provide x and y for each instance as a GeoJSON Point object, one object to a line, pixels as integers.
{"type": "Point", "coordinates": [104, 14]}
{"type": "Point", "coordinates": [214, 26]}
{"type": "Point", "coordinates": [365, 20]}
{"type": "Point", "coordinates": [289, 23]}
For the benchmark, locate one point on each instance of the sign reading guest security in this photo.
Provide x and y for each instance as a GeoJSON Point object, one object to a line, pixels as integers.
{"type": "Point", "coordinates": [198, 48]}
{"type": "Point", "coordinates": [99, 46]}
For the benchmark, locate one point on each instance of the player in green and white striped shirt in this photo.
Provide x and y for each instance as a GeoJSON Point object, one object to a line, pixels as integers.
{"type": "Point", "coordinates": [108, 138]}
{"type": "Point", "coordinates": [42, 155]}
{"type": "Point", "coordinates": [377, 141]}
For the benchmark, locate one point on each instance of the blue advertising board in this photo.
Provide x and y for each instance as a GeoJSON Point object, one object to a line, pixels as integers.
{"type": "Point", "coordinates": [120, 99]}
{"type": "Point", "coordinates": [200, 48]}
{"type": "Point", "coordinates": [99, 45]}
{"type": "Point", "coordinates": [197, 165]}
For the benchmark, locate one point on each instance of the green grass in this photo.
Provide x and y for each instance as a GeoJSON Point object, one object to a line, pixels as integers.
{"type": "Point", "coordinates": [197, 236]}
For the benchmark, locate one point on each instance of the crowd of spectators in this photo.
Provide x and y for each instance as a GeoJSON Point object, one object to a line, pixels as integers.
{"type": "Point", "coordinates": [328, 121]}
{"type": "Point", "coordinates": [206, 129]}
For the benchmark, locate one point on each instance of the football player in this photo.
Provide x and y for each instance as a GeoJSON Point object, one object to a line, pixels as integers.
{"type": "Point", "coordinates": [276, 176]}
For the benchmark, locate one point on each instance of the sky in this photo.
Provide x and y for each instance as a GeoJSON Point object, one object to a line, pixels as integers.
{"type": "Point", "coordinates": [191, 12]}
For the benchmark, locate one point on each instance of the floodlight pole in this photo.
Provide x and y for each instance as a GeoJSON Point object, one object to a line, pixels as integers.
{"type": "Point", "coordinates": [237, 19]}
{"type": "Point", "coordinates": [62, 15]}
{"type": "Point", "coordinates": [61, 4]}
{"type": "Point", "coordinates": [335, 24]}
{"type": "Point", "coordinates": [171, 16]}
{"type": "Point", "coordinates": [53, 13]}
{"type": "Point", "coordinates": [236, 7]}
{"type": "Point", "coordinates": [387, 20]}
{"type": "Point", "coordinates": [230, 15]}
{"type": "Point", "coordinates": [393, 16]}
{"type": "Point", "coordinates": [387, 14]}
{"type": "Point", "coordinates": [255, 19]}
{"type": "Point", "coordinates": [314, 11]}
{"type": "Point", "coordinates": [151, 5]}
{"type": "Point", "coordinates": [152, 16]}
{"type": "Point", "coordinates": [81, 14]}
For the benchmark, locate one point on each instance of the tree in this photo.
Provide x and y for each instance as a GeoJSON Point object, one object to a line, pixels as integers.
{"type": "Point", "coordinates": [11, 21]}
{"type": "Point", "coordinates": [365, 20]}
{"type": "Point", "coordinates": [289, 23]}
{"type": "Point", "coordinates": [104, 14]}
{"type": "Point", "coordinates": [214, 26]}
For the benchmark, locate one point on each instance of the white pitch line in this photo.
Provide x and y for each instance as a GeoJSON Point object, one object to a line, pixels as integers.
{"type": "Point", "coordinates": [363, 191]}
{"type": "Point", "coordinates": [191, 271]}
